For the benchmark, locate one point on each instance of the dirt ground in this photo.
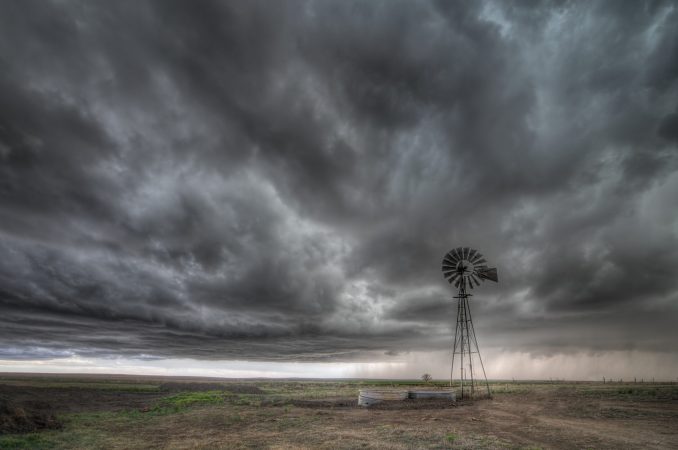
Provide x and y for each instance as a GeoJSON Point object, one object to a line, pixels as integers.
{"type": "Point", "coordinates": [100, 412]}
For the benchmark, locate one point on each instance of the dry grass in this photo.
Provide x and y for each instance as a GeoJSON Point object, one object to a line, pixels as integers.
{"type": "Point", "coordinates": [294, 415]}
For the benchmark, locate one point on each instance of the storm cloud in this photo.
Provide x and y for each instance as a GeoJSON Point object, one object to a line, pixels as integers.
{"type": "Point", "coordinates": [280, 180]}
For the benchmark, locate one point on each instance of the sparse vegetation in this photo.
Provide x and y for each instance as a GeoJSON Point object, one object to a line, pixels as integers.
{"type": "Point", "coordinates": [185, 399]}
{"type": "Point", "coordinates": [324, 414]}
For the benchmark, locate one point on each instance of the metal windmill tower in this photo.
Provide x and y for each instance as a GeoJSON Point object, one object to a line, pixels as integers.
{"type": "Point", "coordinates": [464, 266]}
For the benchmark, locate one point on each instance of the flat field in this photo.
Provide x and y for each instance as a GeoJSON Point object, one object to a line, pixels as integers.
{"type": "Point", "coordinates": [127, 412]}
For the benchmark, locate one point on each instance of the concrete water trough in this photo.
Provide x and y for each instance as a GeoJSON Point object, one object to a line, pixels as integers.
{"type": "Point", "coordinates": [447, 395]}
{"type": "Point", "coordinates": [369, 397]}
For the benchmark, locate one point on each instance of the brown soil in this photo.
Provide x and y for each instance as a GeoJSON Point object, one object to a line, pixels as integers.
{"type": "Point", "coordinates": [541, 420]}
{"type": "Point", "coordinates": [530, 417]}
{"type": "Point", "coordinates": [418, 404]}
{"type": "Point", "coordinates": [73, 399]}
{"type": "Point", "coordinates": [30, 416]}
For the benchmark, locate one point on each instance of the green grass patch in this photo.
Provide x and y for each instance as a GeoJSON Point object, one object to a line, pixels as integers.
{"type": "Point", "coordinates": [186, 399]}
{"type": "Point", "coordinates": [26, 441]}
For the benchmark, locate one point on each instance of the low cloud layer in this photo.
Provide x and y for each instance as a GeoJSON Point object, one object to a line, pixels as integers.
{"type": "Point", "coordinates": [280, 180]}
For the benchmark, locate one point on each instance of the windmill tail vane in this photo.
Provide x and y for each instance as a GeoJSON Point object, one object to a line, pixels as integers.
{"type": "Point", "coordinates": [487, 273]}
{"type": "Point", "coordinates": [462, 267]}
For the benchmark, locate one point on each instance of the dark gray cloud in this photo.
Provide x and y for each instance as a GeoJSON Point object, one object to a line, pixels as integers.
{"type": "Point", "coordinates": [258, 180]}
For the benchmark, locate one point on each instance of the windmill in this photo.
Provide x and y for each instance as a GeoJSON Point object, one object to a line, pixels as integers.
{"type": "Point", "coordinates": [464, 266]}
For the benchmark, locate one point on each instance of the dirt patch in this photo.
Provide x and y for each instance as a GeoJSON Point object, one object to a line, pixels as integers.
{"type": "Point", "coordinates": [68, 400]}
{"type": "Point", "coordinates": [26, 418]}
{"type": "Point", "coordinates": [244, 389]}
{"type": "Point", "coordinates": [414, 404]}
{"type": "Point", "coordinates": [388, 405]}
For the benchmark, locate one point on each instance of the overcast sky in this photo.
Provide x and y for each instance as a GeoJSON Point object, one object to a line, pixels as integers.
{"type": "Point", "coordinates": [277, 182]}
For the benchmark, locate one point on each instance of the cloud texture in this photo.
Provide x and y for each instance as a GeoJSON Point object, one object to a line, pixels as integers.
{"type": "Point", "coordinates": [280, 180]}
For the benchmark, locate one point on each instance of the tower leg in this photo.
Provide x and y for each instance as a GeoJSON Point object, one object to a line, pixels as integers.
{"type": "Point", "coordinates": [480, 358]}
{"type": "Point", "coordinates": [454, 345]}
{"type": "Point", "coordinates": [462, 327]}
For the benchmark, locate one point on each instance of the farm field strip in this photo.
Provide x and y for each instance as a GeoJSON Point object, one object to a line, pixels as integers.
{"type": "Point", "coordinates": [196, 413]}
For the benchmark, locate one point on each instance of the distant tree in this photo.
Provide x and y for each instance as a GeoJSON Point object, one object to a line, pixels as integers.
{"type": "Point", "coordinates": [426, 377]}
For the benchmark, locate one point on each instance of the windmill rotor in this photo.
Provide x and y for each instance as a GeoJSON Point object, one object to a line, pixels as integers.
{"type": "Point", "coordinates": [467, 264]}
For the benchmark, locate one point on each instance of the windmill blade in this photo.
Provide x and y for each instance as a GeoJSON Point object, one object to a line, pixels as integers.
{"type": "Point", "coordinates": [470, 283]}
{"type": "Point", "coordinates": [450, 255]}
{"type": "Point", "coordinates": [448, 273]}
{"type": "Point", "coordinates": [488, 274]}
{"type": "Point", "coordinates": [473, 276]}
{"type": "Point", "coordinates": [472, 254]}
{"type": "Point", "coordinates": [457, 253]}
{"type": "Point", "coordinates": [466, 250]}
{"type": "Point", "coordinates": [451, 258]}
{"type": "Point", "coordinates": [458, 281]}
{"type": "Point", "coordinates": [453, 277]}
{"type": "Point", "coordinates": [479, 262]}
{"type": "Point", "coordinates": [450, 261]}
{"type": "Point", "coordinates": [477, 257]}
{"type": "Point", "coordinates": [447, 268]}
